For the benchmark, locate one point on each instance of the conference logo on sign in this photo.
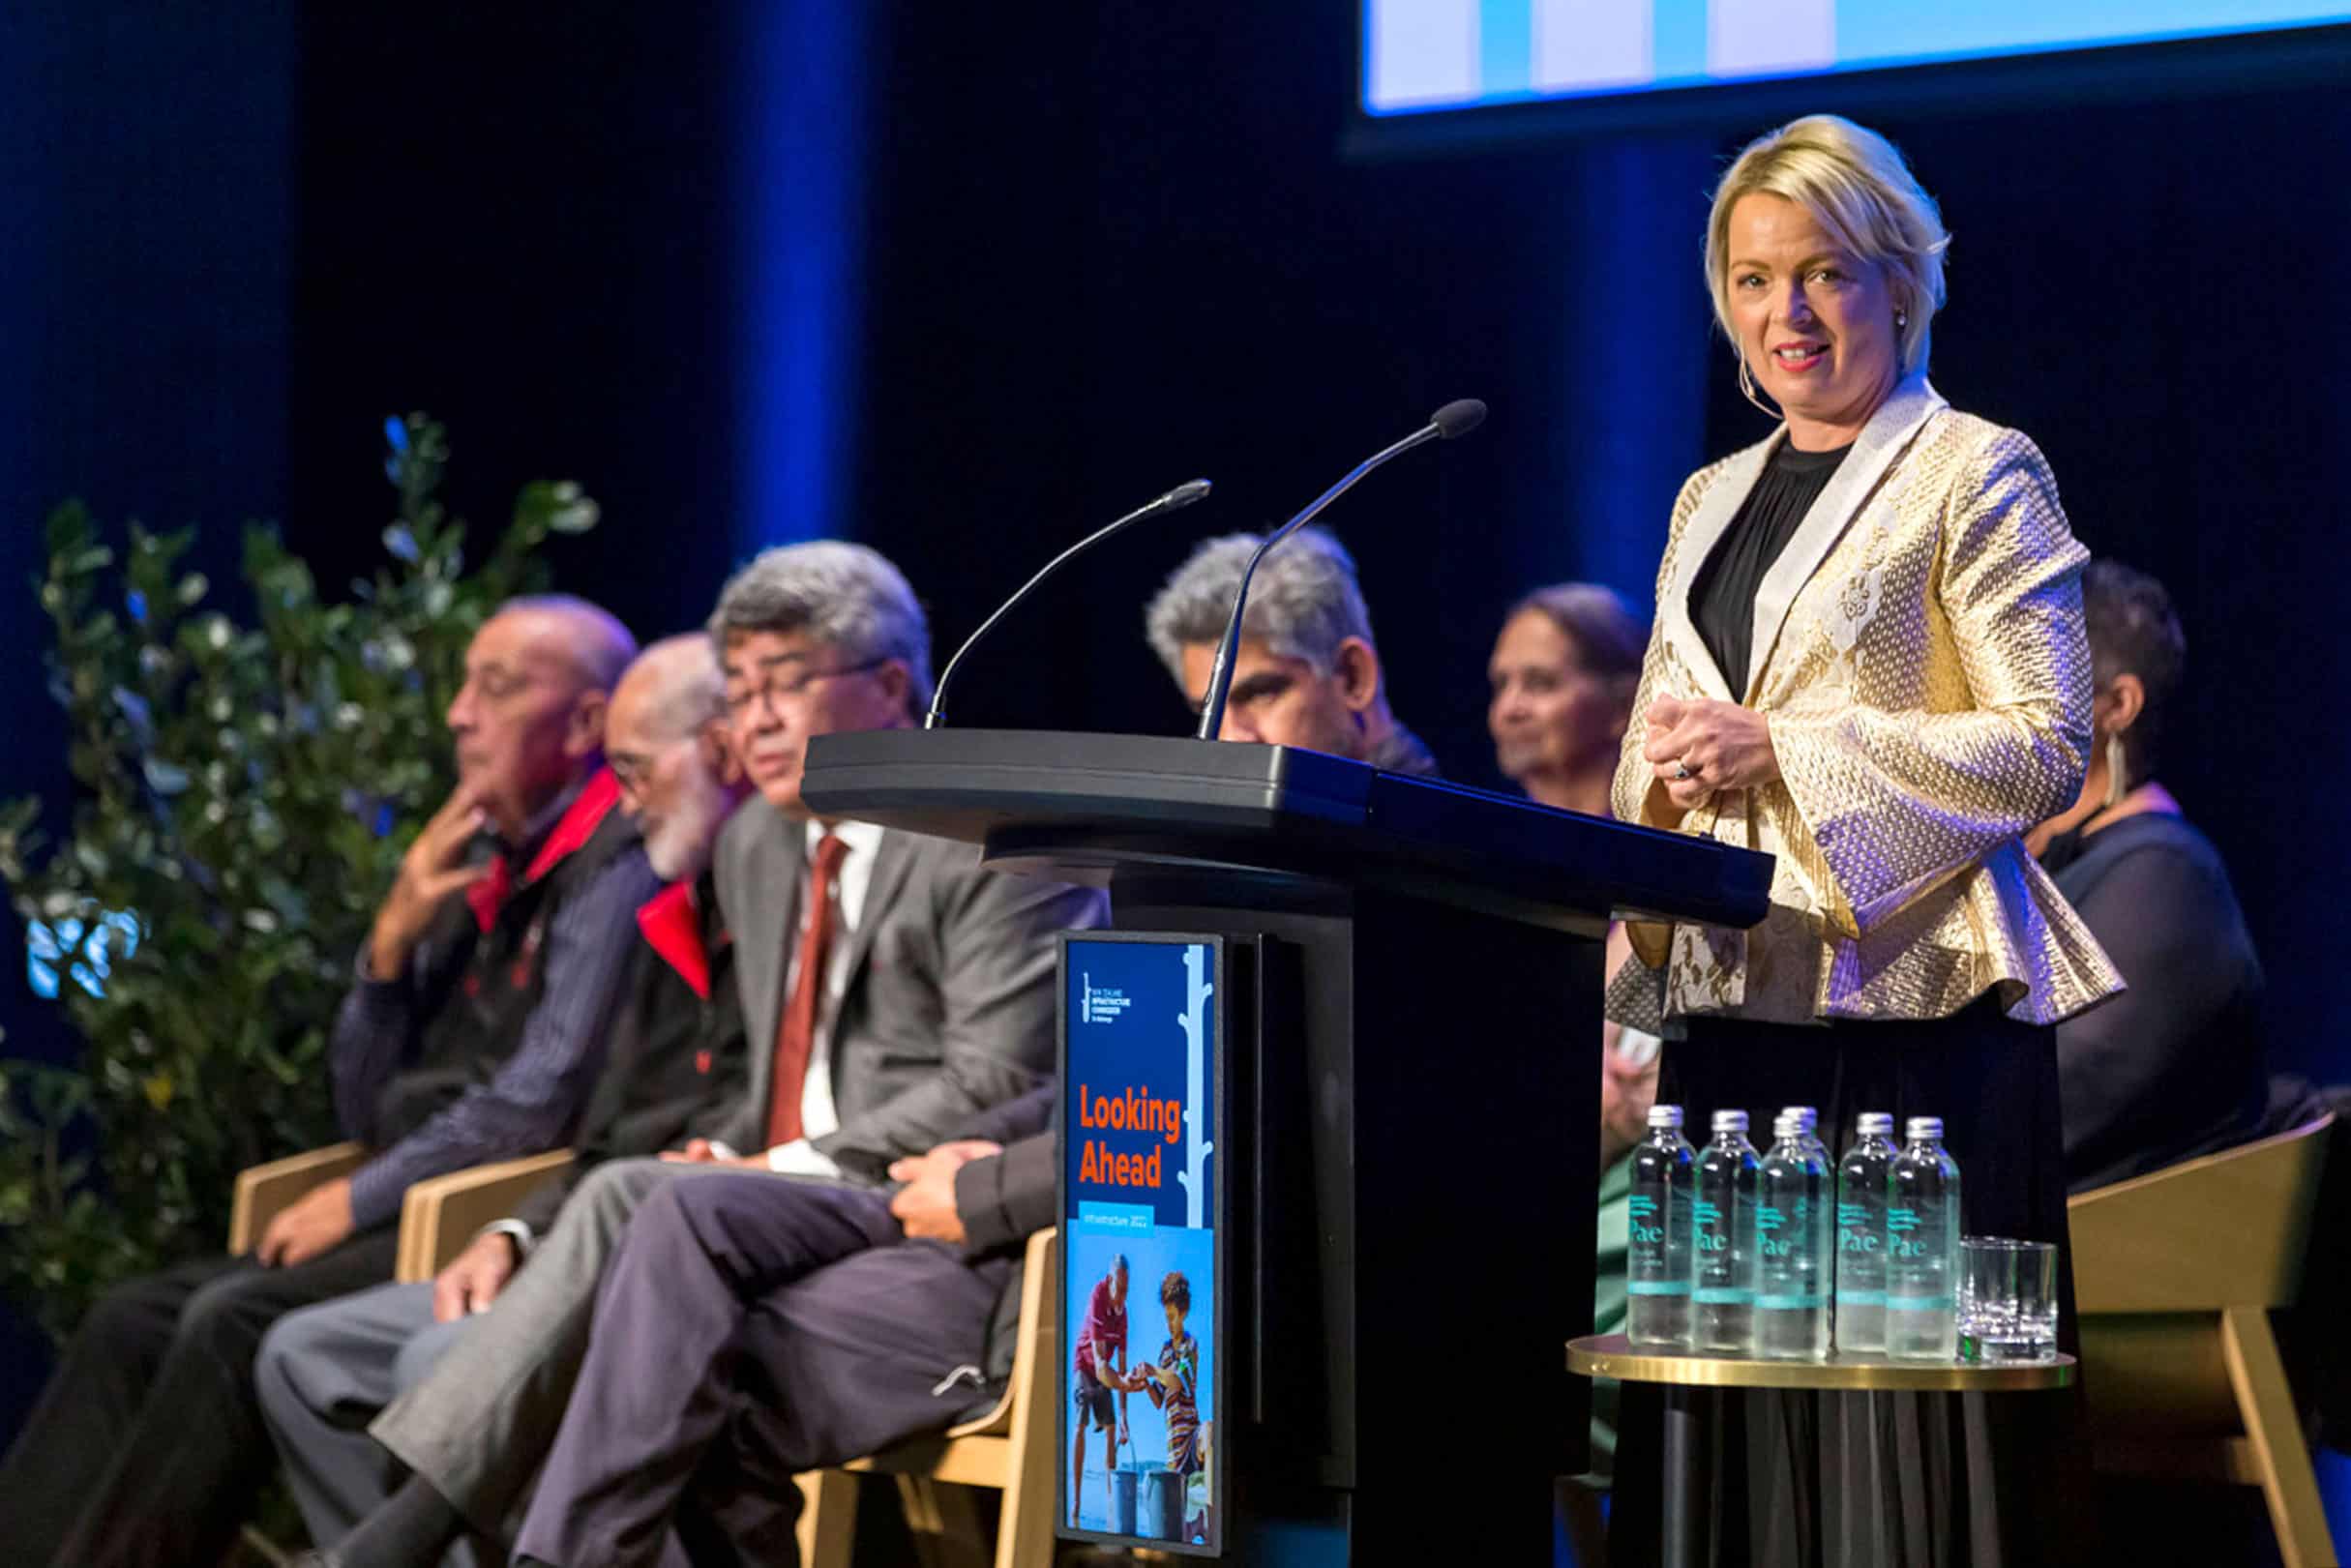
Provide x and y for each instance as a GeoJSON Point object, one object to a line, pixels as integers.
{"type": "Point", "coordinates": [1100, 1004]}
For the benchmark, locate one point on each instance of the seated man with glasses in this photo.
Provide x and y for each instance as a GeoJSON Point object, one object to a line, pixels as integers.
{"type": "Point", "coordinates": [892, 990]}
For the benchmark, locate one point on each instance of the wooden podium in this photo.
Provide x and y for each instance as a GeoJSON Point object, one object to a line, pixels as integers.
{"type": "Point", "coordinates": [1412, 1150]}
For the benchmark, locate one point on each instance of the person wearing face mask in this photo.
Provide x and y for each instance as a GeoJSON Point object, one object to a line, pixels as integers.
{"type": "Point", "coordinates": [2175, 1067]}
{"type": "Point", "coordinates": [472, 1032]}
{"type": "Point", "coordinates": [1868, 662]}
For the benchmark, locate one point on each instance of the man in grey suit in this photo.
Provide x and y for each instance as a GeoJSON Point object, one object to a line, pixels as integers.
{"type": "Point", "coordinates": [893, 988]}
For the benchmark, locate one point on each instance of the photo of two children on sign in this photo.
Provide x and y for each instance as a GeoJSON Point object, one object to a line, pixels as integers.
{"type": "Point", "coordinates": [1165, 1498]}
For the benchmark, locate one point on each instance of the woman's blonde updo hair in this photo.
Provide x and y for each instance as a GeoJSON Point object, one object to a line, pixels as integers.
{"type": "Point", "coordinates": [1855, 181]}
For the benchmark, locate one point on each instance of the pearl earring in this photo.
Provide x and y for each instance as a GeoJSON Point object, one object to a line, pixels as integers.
{"type": "Point", "coordinates": [1901, 320]}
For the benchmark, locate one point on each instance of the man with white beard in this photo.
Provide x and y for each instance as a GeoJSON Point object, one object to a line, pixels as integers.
{"type": "Point", "coordinates": [676, 1063]}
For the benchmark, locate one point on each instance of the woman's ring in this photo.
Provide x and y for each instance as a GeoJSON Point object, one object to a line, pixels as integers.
{"type": "Point", "coordinates": [1682, 771]}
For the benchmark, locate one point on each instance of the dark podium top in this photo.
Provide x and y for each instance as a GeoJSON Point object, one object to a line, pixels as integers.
{"type": "Point", "coordinates": [1079, 807]}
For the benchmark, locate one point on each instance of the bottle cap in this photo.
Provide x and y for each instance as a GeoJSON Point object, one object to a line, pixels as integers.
{"type": "Point", "coordinates": [1788, 1124]}
{"type": "Point", "coordinates": [1730, 1121]}
{"type": "Point", "coordinates": [1874, 1124]}
{"type": "Point", "coordinates": [1926, 1127]}
{"type": "Point", "coordinates": [1809, 1115]}
{"type": "Point", "coordinates": [1665, 1116]}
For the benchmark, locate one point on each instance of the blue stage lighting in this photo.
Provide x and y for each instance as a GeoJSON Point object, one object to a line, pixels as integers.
{"type": "Point", "coordinates": [803, 211]}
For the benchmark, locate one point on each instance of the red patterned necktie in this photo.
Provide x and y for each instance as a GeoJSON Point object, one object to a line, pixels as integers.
{"type": "Point", "coordinates": [796, 1038]}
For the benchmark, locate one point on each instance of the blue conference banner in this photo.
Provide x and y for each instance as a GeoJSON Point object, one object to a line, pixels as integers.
{"type": "Point", "coordinates": [1141, 1073]}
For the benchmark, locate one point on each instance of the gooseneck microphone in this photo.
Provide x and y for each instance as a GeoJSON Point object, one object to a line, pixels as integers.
{"type": "Point", "coordinates": [1175, 500]}
{"type": "Point", "coordinates": [1457, 417]}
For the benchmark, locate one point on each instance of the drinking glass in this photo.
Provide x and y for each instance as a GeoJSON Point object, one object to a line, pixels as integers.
{"type": "Point", "coordinates": [2007, 1299]}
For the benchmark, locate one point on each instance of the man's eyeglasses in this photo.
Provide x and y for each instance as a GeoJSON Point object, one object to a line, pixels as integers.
{"type": "Point", "coordinates": [630, 770]}
{"type": "Point", "coordinates": [777, 687]}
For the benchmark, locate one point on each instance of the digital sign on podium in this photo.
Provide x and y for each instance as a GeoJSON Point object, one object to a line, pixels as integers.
{"type": "Point", "coordinates": [1143, 1272]}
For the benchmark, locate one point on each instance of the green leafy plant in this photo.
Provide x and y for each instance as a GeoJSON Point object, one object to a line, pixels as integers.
{"type": "Point", "coordinates": [244, 789]}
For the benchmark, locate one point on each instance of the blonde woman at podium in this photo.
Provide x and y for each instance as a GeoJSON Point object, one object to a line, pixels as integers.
{"type": "Point", "coordinates": [1869, 661]}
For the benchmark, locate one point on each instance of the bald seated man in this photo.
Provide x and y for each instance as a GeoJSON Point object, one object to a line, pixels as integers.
{"type": "Point", "coordinates": [472, 1032]}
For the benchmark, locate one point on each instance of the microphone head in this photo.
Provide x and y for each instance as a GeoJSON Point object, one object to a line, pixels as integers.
{"type": "Point", "coordinates": [1458, 418]}
{"type": "Point", "coordinates": [1185, 493]}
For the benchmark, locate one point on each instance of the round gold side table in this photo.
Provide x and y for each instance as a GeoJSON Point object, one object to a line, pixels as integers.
{"type": "Point", "coordinates": [1612, 1355]}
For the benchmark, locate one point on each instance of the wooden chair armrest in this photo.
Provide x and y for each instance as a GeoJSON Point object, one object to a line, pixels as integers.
{"type": "Point", "coordinates": [263, 1191]}
{"type": "Point", "coordinates": [440, 1215]}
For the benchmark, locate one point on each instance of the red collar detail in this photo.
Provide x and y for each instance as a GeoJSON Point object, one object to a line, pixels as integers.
{"type": "Point", "coordinates": [578, 824]}
{"type": "Point", "coordinates": [570, 832]}
{"type": "Point", "coordinates": [673, 929]}
{"type": "Point", "coordinates": [488, 896]}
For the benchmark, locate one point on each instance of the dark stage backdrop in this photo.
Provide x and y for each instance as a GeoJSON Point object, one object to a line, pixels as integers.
{"type": "Point", "coordinates": [966, 282]}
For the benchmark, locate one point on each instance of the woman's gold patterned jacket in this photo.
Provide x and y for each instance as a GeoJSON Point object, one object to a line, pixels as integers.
{"type": "Point", "coordinates": [1920, 659]}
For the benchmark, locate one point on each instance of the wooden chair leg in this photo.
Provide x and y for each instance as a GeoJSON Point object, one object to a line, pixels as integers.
{"type": "Point", "coordinates": [1023, 1533]}
{"type": "Point", "coordinates": [828, 1517]}
{"type": "Point", "coordinates": [946, 1522]}
{"type": "Point", "coordinates": [2280, 1451]}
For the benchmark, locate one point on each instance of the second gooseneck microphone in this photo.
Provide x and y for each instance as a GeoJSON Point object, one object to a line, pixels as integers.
{"type": "Point", "coordinates": [1181, 496]}
{"type": "Point", "coordinates": [1457, 417]}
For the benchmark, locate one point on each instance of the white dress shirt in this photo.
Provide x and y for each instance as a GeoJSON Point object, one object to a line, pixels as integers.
{"type": "Point", "coordinates": [818, 1113]}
